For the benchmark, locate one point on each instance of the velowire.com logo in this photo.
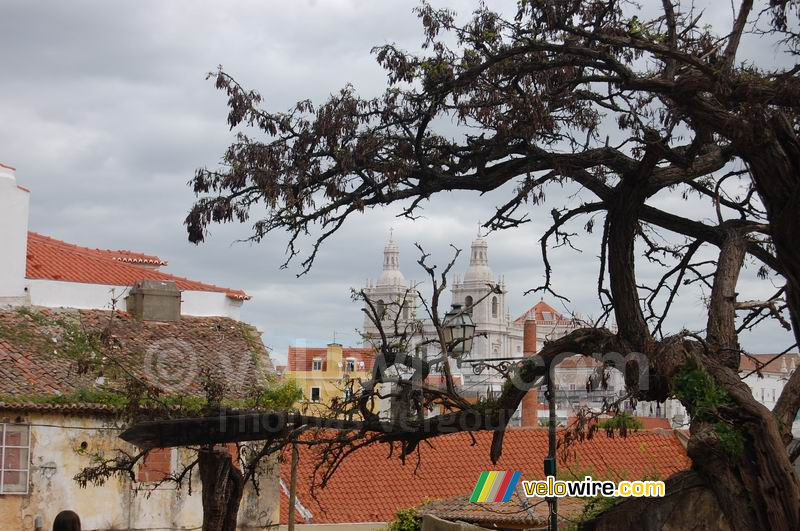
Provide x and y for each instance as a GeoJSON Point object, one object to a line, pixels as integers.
{"type": "Point", "coordinates": [494, 486]}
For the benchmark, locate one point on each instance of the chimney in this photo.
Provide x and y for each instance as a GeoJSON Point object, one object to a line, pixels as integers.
{"type": "Point", "coordinates": [530, 402]}
{"type": "Point", "coordinates": [14, 202]}
{"type": "Point", "coordinates": [529, 337]}
{"type": "Point", "coordinates": [154, 300]}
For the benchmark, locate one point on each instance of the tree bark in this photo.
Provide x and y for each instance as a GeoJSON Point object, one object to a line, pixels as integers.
{"type": "Point", "coordinates": [757, 489]}
{"type": "Point", "coordinates": [775, 166]}
{"type": "Point", "coordinates": [223, 487]}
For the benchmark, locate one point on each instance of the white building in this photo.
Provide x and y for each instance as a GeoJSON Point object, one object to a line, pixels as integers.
{"type": "Point", "coordinates": [498, 336]}
{"type": "Point", "coordinates": [42, 271]}
{"type": "Point", "coordinates": [53, 417]}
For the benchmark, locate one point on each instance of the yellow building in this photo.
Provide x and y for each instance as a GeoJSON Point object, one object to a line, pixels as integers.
{"type": "Point", "coordinates": [324, 373]}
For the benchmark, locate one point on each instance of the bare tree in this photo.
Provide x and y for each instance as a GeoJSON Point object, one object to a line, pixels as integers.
{"type": "Point", "coordinates": [584, 93]}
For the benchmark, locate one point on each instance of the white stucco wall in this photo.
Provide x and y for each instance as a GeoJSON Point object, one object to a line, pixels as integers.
{"type": "Point", "coordinates": [57, 294]}
{"type": "Point", "coordinates": [13, 235]}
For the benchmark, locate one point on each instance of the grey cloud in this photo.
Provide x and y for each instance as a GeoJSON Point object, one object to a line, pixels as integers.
{"type": "Point", "coordinates": [107, 114]}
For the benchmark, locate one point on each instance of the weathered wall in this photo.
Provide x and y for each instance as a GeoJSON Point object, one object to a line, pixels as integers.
{"type": "Point", "coordinates": [57, 294]}
{"type": "Point", "coordinates": [56, 457]}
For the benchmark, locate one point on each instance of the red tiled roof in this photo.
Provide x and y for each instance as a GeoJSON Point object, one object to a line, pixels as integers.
{"type": "Point", "coordinates": [370, 486]}
{"type": "Point", "coordinates": [53, 259]}
{"type": "Point", "coordinates": [540, 312]}
{"type": "Point", "coordinates": [520, 512]}
{"type": "Point", "coordinates": [35, 360]}
{"type": "Point", "coordinates": [767, 362]}
{"type": "Point", "coordinates": [300, 358]}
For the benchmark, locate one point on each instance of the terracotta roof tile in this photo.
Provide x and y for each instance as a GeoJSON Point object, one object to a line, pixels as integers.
{"type": "Point", "coordinates": [53, 259]}
{"type": "Point", "coordinates": [520, 511]}
{"type": "Point", "coordinates": [541, 312]}
{"type": "Point", "coordinates": [769, 364]}
{"type": "Point", "coordinates": [369, 486]}
{"type": "Point", "coordinates": [35, 350]}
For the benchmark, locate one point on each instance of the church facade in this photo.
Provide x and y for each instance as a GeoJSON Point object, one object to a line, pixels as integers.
{"type": "Point", "coordinates": [498, 337]}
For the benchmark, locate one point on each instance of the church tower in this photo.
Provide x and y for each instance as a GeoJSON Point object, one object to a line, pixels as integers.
{"type": "Point", "coordinates": [496, 336]}
{"type": "Point", "coordinates": [390, 294]}
{"type": "Point", "coordinates": [475, 284]}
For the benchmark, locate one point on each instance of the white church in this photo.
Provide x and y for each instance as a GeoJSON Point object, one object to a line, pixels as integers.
{"type": "Point", "coordinates": [497, 335]}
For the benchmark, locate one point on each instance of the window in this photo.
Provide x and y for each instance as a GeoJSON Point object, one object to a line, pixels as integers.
{"type": "Point", "coordinates": [762, 395]}
{"type": "Point", "coordinates": [315, 394]}
{"type": "Point", "coordinates": [348, 393]}
{"type": "Point", "coordinates": [156, 466]}
{"type": "Point", "coordinates": [773, 395]}
{"type": "Point", "coordinates": [405, 312]}
{"type": "Point", "coordinates": [380, 307]}
{"type": "Point", "coordinates": [468, 301]}
{"type": "Point", "coordinates": [494, 307]}
{"type": "Point", "coordinates": [316, 364]}
{"type": "Point", "coordinates": [15, 443]}
{"type": "Point", "coordinates": [351, 365]}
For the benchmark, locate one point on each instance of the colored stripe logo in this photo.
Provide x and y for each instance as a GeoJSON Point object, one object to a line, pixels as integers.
{"type": "Point", "coordinates": [495, 486]}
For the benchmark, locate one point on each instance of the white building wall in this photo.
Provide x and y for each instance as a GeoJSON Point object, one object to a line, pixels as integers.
{"type": "Point", "coordinates": [57, 294]}
{"type": "Point", "coordinates": [768, 389]}
{"type": "Point", "coordinates": [14, 203]}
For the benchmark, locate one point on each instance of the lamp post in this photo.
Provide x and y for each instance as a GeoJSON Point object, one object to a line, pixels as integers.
{"type": "Point", "coordinates": [459, 330]}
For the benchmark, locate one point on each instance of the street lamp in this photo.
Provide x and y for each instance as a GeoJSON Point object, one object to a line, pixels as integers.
{"type": "Point", "coordinates": [459, 330]}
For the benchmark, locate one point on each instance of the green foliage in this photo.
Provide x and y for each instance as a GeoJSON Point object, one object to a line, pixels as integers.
{"type": "Point", "coordinates": [731, 441]}
{"type": "Point", "coordinates": [623, 419]}
{"type": "Point", "coordinates": [702, 395]}
{"type": "Point", "coordinates": [271, 397]}
{"type": "Point", "coordinates": [37, 316]}
{"type": "Point", "coordinates": [596, 506]}
{"type": "Point", "coordinates": [484, 404]}
{"type": "Point", "coordinates": [274, 396]}
{"type": "Point", "coordinates": [405, 520]}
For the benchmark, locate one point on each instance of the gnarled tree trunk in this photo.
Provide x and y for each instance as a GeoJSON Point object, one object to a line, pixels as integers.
{"type": "Point", "coordinates": [223, 487]}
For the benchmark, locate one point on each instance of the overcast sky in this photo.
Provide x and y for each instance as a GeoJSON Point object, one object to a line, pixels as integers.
{"type": "Point", "coordinates": [106, 114]}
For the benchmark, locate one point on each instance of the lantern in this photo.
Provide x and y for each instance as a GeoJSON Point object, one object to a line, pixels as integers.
{"type": "Point", "coordinates": [459, 330]}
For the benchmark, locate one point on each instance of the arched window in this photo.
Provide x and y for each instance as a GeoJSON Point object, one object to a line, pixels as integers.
{"type": "Point", "coordinates": [494, 307]}
{"type": "Point", "coordinates": [468, 301]}
{"type": "Point", "coordinates": [380, 307]}
{"type": "Point", "coordinates": [405, 311]}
